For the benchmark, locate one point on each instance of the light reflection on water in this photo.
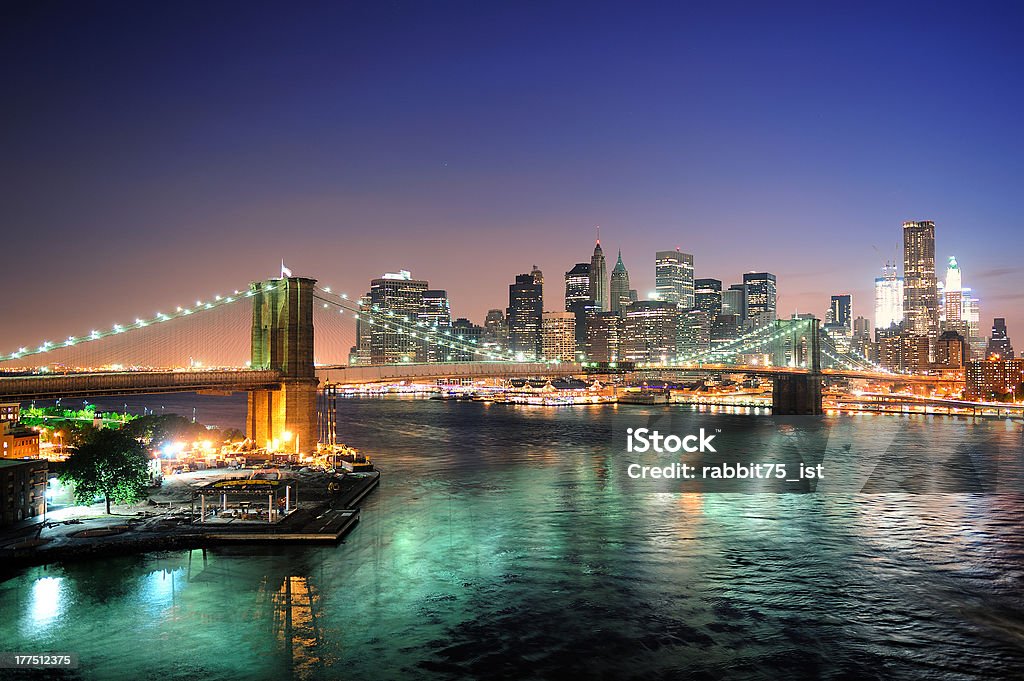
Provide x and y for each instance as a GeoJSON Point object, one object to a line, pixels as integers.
{"type": "Point", "coordinates": [515, 545]}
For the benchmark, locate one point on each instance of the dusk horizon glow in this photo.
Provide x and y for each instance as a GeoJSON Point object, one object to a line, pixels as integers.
{"type": "Point", "coordinates": [157, 154]}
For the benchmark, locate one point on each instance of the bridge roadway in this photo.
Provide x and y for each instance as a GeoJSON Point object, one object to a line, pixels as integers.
{"type": "Point", "coordinates": [91, 384]}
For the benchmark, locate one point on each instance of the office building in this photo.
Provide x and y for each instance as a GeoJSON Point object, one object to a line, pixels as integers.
{"type": "Point", "coordinates": [525, 314]}
{"type": "Point", "coordinates": [495, 330]}
{"type": "Point", "coordinates": [436, 317]}
{"type": "Point", "coordinates": [10, 411]}
{"type": "Point", "coordinates": [707, 296]}
{"type": "Point", "coordinates": [999, 345]}
{"type": "Point", "coordinates": [840, 311]}
{"type": "Point", "coordinates": [888, 298]}
{"type": "Point", "coordinates": [397, 299]}
{"type": "Point", "coordinates": [951, 351]}
{"type": "Point", "coordinates": [694, 332]}
{"type": "Point", "coordinates": [673, 278]}
{"type": "Point", "coordinates": [650, 332]}
{"type": "Point", "coordinates": [603, 334]}
{"type": "Point", "coordinates": [734, 301]}
{"type": "Point", "coordinates": [621, 294]}
{"type": "Point", "coordinates": [901, 351]}
{"type": "Point", "coordinates": [920, 285]}
{"type": "Point", "coordinates": [577, 287]}
{"type": "Point", "coordinates": [759, 298]}
{"type": "Point", "coordinates": [558, 336]}
{"type": "Point", "coordinates": [469, 336]}
{"type": "Point", "coordinates": [599, 279]}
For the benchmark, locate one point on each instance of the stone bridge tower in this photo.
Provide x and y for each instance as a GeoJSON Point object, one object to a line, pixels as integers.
{"type": "Point", "coordinates": [282, 339]}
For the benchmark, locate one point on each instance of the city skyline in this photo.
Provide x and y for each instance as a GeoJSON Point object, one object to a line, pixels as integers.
{"type": "Point", "coordinates": [163, 179]}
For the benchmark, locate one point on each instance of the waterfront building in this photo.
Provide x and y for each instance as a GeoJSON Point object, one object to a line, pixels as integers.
{"type": "Point", "coordinates": [920, 285]}
{"type": "Point", "coordinates": [759, 304]}
{"type": "Point", "coordinates": [603, 334]}
{"type": "Point", "coordinates": [999, 345]}
{"type": "Point", "coordinates": [398, 296]}
{"type": "Point", "coordinates": [888, 298]}
{"type": "Point", "coordinates": [621, 294]}
{"type": "Point", "coordinates": [558, 336]}
{"type": "Point", "coordinates": [525, 313]}
{"type": "Point", "coordinates": [707, 296]}
{"type": "Point", "coordinates": [673, 278]}
{"type": "Point", "coordinates": [22, 489]}
{"type": "Point", "coordinates": [599, 279]}
{"type": "Point", "coordinates": [650, 332]}
{"type": "Point", "coordinates": [995, 379]}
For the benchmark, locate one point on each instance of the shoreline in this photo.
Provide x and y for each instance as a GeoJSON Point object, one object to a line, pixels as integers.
{"type": "Point", "coordinates": [339, 514]}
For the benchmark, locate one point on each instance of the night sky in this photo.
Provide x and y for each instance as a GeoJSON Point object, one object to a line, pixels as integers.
{"type": "Point", "coordinates": [155, 153]}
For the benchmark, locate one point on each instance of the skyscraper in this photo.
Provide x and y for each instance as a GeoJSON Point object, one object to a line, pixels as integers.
{"type": "Point", "coordinates": [707, 296]}
{"type": "Point", "coordinates": [558, 336]}
{"type": "Point", "coordinates": [734, 301]}
{"type": "Point", "coordinates": [760, 299]}
{"type": "Point", "coordinates": [840, 312]}
{"type": "Point", "coordinates": [650, 332]}
{"type": "Point", "coordinates": [525, 312]}
{"type": "Point", "coordinates": [599, 279]}
{"type": "Point", "coordinates": [673, 277]}
{"type": "Point", "coordinates": [577, 286]}
{"type": "Point", "coordinates": [620, 296]}
{"type": "Point", "coordinates": [888, 298]}
{"type": "Point", "coordinates": [397, 295]}
{"type": "Point", "coordinates": [435, 313]}
{"type": "Point", "coordinates": [495, 333]}
{"type": "Point", "coordinates": [920, 286]}
{"type": "Point", "coordinates": [999, 343]}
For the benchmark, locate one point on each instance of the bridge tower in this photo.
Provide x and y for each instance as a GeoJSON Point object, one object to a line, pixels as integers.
{"type": "Point", "coordinates": [800, 393]}
{"type": "Point", "coordinates": [282, 340]}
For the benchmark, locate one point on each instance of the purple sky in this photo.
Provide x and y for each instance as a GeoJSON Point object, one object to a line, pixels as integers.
{"type": "Point", "coordinates": [158, 153]}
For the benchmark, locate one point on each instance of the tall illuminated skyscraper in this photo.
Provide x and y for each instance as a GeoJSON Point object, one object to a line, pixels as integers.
{"type": "Point", "coordinates": [760, 298]}
{"type": "Point", "coordinates": [920, 286]}
{"type": "Point", "coordinates": [577, 286]}
{"type": "Point", "coordinates": [401, 295]}
{"type": "Point", "coordinates": [599, 279]}
{"type": "Point", "coordinates": [888, 298]}
{"type": "Point", "coordinates": [673, 277]}
{"type": "Point", "coordinates": [525, 314]}
{"type": "Point", "coordinates": [620, 295]}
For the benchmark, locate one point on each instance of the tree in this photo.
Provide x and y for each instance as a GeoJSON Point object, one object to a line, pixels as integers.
{"type": "Point", "coordinates": [110, 463]}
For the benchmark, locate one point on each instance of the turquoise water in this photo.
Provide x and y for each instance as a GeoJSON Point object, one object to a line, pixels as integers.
{"type": "Point", "coordinates": [510, 542]}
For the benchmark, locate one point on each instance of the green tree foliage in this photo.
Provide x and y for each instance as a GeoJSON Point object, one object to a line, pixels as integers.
{"type": "Point", "coordinates": [158, 430]}
{"type": "Point", "coordinates": [111, 464]}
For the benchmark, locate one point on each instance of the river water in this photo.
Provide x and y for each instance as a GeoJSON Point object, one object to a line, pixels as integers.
{"type": "Point", "coordinates": [511, 542]}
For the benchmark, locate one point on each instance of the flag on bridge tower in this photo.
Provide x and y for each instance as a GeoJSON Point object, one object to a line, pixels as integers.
{"type": "Point", "coordinates": [285, 272]}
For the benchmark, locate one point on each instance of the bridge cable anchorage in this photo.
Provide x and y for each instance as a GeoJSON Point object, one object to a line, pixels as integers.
{"type": "Point", "coordinates": [390, 320]}
{"type": "Point", "coordinates": [160, 318]}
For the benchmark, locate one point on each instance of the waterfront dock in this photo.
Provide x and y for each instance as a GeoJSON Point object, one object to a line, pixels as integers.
{"type": "Point", "coordinates": [325, 518]}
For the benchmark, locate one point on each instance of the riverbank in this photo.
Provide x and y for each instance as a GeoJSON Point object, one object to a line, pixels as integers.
{"type": "Point", "coordinates": [165, 522]}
